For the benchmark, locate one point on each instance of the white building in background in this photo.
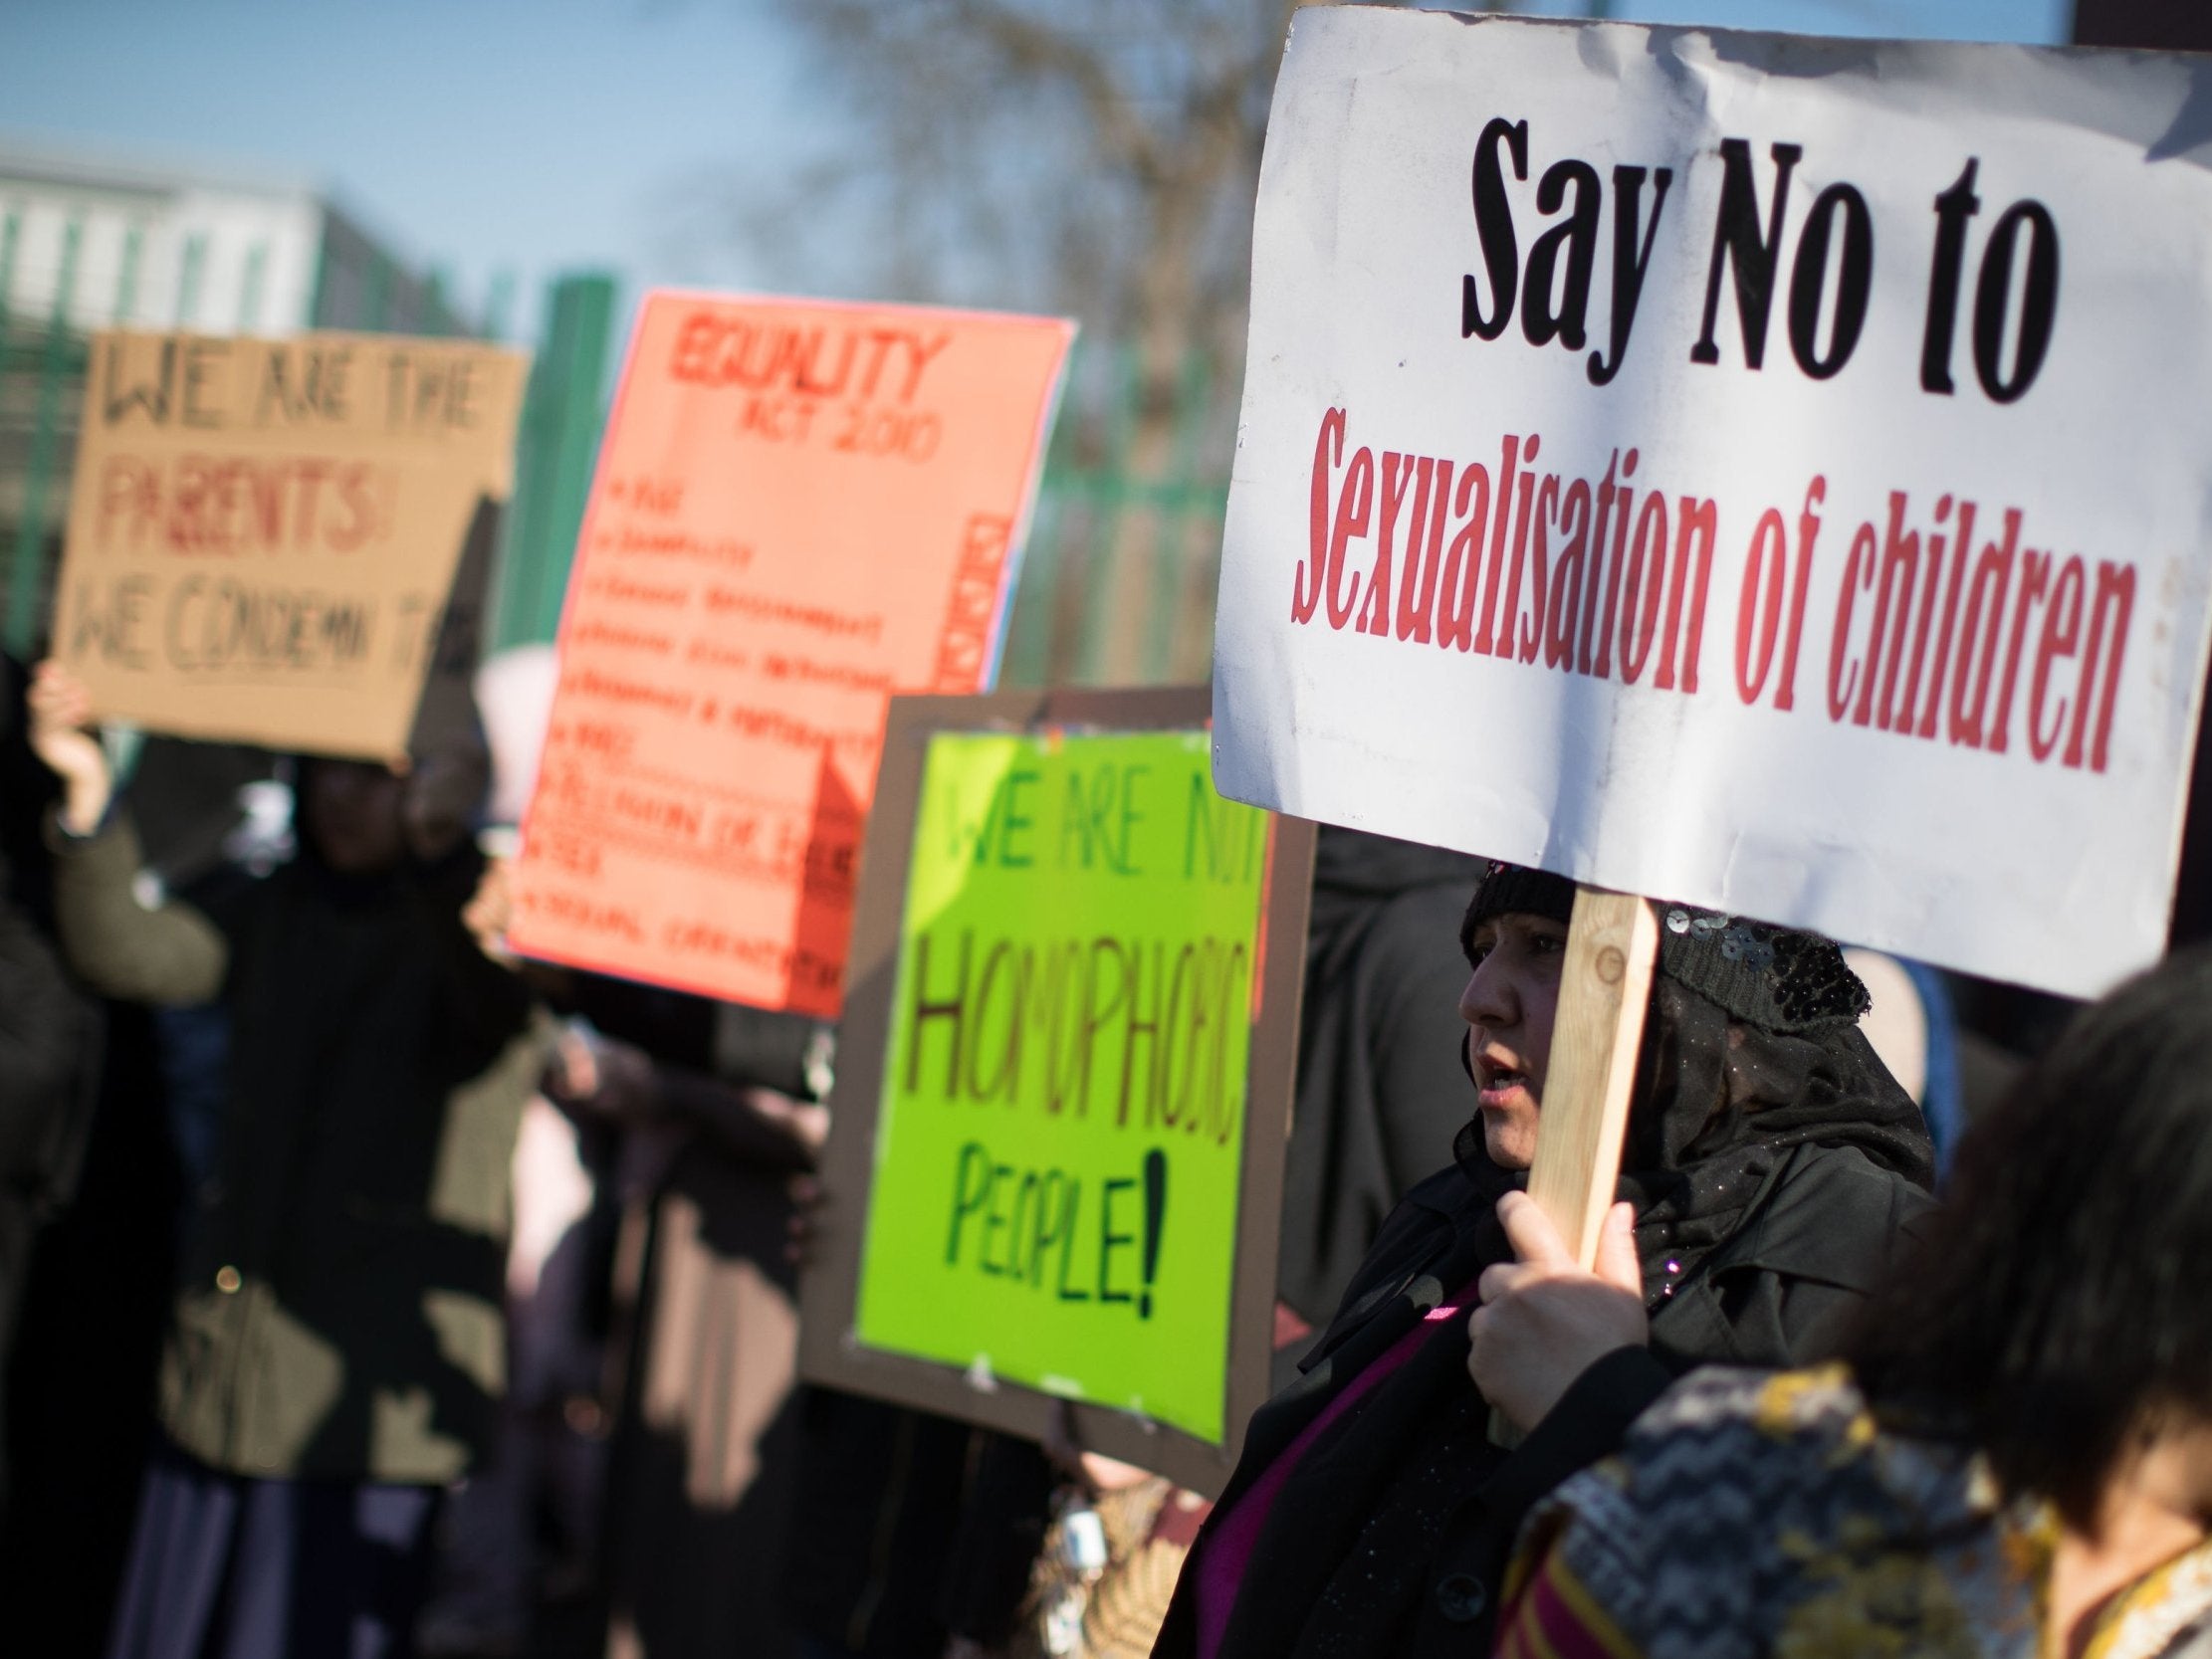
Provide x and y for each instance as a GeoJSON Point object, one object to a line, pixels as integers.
{"type": "Point", "coordinates": [88, 242]}
{"type": "Point", "coordinates": [155, 247]}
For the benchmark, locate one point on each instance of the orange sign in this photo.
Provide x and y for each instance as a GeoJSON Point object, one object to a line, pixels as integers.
{"type": "Point", "coordinates": [801, 507]}
{"type": "Point", "coordinates": [264, 534]}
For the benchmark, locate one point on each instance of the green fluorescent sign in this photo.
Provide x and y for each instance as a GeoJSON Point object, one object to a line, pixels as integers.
{"type": "Point", "coordinates": [1062, 1121]}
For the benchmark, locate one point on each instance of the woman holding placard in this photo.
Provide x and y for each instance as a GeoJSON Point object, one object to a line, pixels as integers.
{"type": "Point", "coordinates": [2016, 1459]}
{"type": "Point", "coordinates": [1772, 1164]}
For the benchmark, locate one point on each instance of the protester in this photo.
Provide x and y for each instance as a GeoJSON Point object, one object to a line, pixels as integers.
{"type": "Point", "coordinates": [2015, 1456]}
{"type": "Point", "coordinates": [94, 1202]}
{"type": "Point", "coordinates": [522, 1530]}
{"type": "Point", "coordinates": [1772, 1163]}
{"type": "Point", "coordinates": [336, 1343]}
{"type": "Point", "coordinates": [46, 1068]}
{"type": "Point", "coordinates": [911, 1534]}
{"type": "Point", "coordinates": [41, 1032]}
{"type": "Point", "coordinates": [715, 1108]}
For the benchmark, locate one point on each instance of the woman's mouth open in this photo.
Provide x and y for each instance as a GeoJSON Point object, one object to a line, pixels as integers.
{"type": "Point", "coordinates": [1501, 1087]}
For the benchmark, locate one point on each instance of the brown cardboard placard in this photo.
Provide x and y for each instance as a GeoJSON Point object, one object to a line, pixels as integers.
{"type": "Point", "coordinates": [830, 1350]}
{"type": "Point", "coordinates": [264, 534]}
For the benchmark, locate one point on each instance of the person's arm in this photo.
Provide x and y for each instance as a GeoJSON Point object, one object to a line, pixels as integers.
{"type": "Point", "coordinates": [169, 954]}
{"type": "Point", "coordinates": [1586, 1425]}
{"type": "Point", "coordinates": [759, 1127]}
{"type": "Point", "coordinates": [1544, 1319]}
{"type": "Point", "coordinates": [485, 1002]}
{"type": "Point", "coordinates": [620, 1082]}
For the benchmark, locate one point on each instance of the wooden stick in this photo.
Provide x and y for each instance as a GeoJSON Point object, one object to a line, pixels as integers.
{"type": "Point", "coordinates": [1604, 986]}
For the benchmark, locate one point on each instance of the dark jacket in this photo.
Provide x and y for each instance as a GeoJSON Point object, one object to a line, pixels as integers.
{"type": "Point", "coordinates": [1390, 1536]}
{"type": "Point", "coordinates": [338, 1312]}
{"type": "Point", "coordinates": [1379, 1088]}
{"type": "Point", "coordinates": [46, 1092]}
{"type": "Point", "coordinates": [49, 1034]}
{"type": "Point", "coordinates": [909, 1528]}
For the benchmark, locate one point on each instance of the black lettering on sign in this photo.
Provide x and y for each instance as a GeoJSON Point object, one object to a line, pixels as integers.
{"type": "Point", "coordinates": [1554, 293]}
{"type": "Point", "coordinates": [430, 392]}
{"type": "Point", "coordinates": [1151, 1030]}
{"type": "Point", "coordinates": [1026, 1226]}
{"type": "Point", "coordinates": [1099, 817]}
{"type": "Point", "coordinates": [223, 624]}
{"type": "Point", "coordinates": [109, 624]}
{"type": "Point", "coordinates": [304, 383]}
{"type": "Point", "coordinates": [1739, 243]}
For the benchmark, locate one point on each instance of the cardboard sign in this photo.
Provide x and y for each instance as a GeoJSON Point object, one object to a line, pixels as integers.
{"type": "Point", "coordinates": [264, 534]}
{"type": "Point", "coordinates": [1763, 473]}
{"type": "Point", "coordinates": [801, 508]}
{"type": "Point", "coordinates": [1061, 1102]}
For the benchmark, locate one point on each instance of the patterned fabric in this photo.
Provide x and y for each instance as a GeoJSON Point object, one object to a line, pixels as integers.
{"type": "Point", "coordinates": [1080, 1608]}
{"type": "Point", "coordinates": [1751, 1515]}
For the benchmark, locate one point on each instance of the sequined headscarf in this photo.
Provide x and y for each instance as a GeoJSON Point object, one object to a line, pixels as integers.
{"type": "Point", "coordinates": [1752, 1047]}
{"type": "Point", "coordinates": [1778, 978]}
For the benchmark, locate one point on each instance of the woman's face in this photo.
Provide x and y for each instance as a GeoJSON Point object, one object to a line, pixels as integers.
{"type": "Point", "coordinates": [1508, 1006]}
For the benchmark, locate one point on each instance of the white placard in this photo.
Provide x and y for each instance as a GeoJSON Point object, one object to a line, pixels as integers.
{"type": "Point", "coordinates": [1768, 473]}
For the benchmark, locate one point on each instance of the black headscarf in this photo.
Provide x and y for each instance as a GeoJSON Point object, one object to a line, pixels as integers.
{"type": "Point", "coordinates": [1718, 1101]}
{"type": "Point", "coordinates": [1720, 1098]}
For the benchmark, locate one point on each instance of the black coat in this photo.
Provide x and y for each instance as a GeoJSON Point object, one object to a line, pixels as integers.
{"type": "Point", "coordinates": [338, 1305]}
{"type": "Point", "coordinates": [1391, 1534]}
{"type": "Point", "coordinates": [1380, 1085]}
{"type": "Point", "coordinates": [46, 1097]}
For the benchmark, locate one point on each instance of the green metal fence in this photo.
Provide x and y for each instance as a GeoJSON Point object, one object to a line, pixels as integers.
{"type": "Point", "coordinates": [562, 413]}
{"type": "Point", "coordinates": [42, 375]}
{"type": "Point", "coordinates": [1117, 585]}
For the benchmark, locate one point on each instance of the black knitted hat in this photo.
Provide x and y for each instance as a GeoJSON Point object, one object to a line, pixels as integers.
{"type": "Point", "coordinates": [1777, 978]}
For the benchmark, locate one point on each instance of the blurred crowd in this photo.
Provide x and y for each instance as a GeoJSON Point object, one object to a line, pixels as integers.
{"type": "Point", "coordinates": [366, 1291]}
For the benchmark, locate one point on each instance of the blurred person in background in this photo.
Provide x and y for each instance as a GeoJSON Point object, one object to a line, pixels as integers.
{"type": "Point", "coordinates": [42, 1061]}
{"type": "Point", "coordinates": [86, 1207]}
{"type": "Point", "coordinates": [705, 1329]}
{"type": "Point", "coordinates": [47, 1067]}
{"type": "Point", "coordinates": [2014, 1457]}
{"type": "Point", "coordinates": [654, 1337]}
{"type": "Point", "coordinates": [912, 1533]}
{"type": "Point", "coordinates": [335, 1346]}
{"type": "Point", "coordinates": [517, 1538]}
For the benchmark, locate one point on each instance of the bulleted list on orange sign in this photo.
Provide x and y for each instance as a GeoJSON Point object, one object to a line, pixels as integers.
{"type": "Point", "coordinates": [801, 508]}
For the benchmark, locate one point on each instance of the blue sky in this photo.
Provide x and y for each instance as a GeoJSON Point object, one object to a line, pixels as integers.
{"type": "Point", "coordinates": [543, 136]}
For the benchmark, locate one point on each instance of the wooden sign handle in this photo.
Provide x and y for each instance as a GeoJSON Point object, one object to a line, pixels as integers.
{"type": "Point", "coordinates": [1604, 986]}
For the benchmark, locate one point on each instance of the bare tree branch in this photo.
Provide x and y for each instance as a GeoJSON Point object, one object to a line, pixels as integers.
{"type": "Point", "coordinates": [1092, 156]}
